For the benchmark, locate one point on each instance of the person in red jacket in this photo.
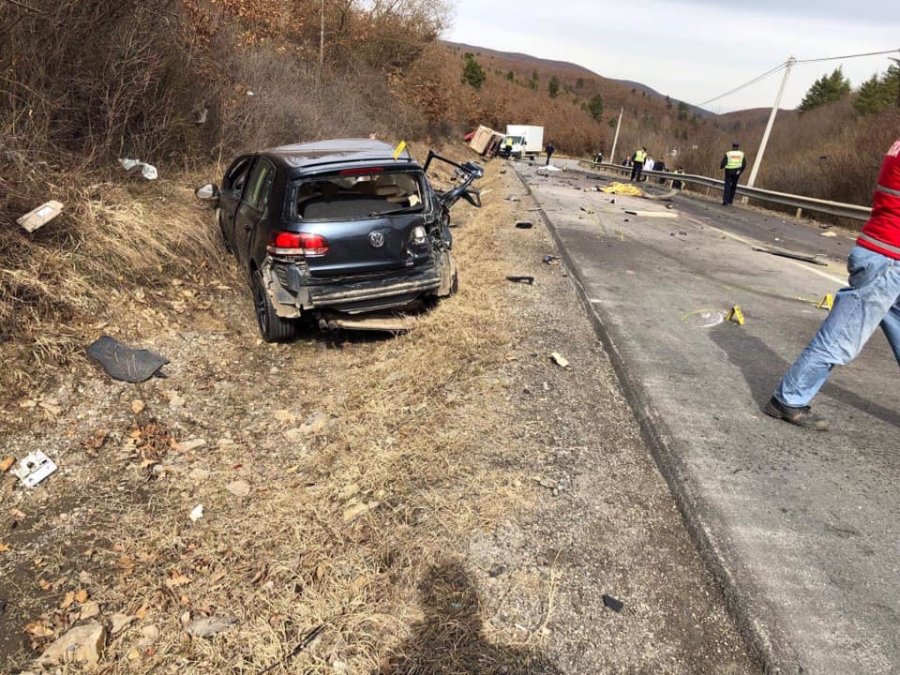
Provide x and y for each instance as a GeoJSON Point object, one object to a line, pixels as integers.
{"type": "Point", "coordinates": [871, 300]}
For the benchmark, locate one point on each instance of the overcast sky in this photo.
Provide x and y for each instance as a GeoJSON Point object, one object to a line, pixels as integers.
{"type": "Point", "coordinates": [691, 50]}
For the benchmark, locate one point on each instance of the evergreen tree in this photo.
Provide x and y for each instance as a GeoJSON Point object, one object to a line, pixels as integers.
{"type": "Point", "coordinates": [878, 92]}
{"type": "Point", "coordinates": [827, 89]}
{"type": "Point", "coordinates": [595, 107]}
{"type": "Point", "coordinates": [682, 111]}
{"type": "Point", "coordinates": [510, 76]}
{"type": "Point", "coordinates": [553, 87]}
{"type": "Point", "coordinates": [473, 74]}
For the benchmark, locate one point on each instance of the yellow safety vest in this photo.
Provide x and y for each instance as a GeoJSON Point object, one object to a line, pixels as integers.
{"type": "Point", "coordinates": [640, 156]}
{"type": "Point", "coordinates": [735, 160]}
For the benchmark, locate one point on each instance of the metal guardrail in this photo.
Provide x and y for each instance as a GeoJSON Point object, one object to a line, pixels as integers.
{"type": "Point", "coordinates": [853, 211]}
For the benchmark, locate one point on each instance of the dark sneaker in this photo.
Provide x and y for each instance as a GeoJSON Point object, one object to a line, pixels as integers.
{"type": "Point", "coordinates": [802, 417]}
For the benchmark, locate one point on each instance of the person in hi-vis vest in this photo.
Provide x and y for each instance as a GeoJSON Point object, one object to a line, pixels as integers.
{"type": "Point", "coordinates": [637, 164]}
{"type": "Point", "coordinates": [734, 162]}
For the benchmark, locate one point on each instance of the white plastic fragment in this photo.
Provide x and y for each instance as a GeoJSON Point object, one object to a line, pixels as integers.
{"type": "Point", "coordinates": [34, 468]}
{"type": "Point", "coordinates": [40, 216]}
{"type": "Point", "coordinates": [148, 171]}
{"type": "Point", "coordinates": [197, 513]}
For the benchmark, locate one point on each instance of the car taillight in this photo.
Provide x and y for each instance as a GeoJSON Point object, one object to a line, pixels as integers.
{"type": "Point", "coordinates": [298, 243]}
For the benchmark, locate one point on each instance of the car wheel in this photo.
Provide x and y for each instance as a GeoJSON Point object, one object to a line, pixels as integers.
{"type": "Point", "coordinates": [272, 327]}
{"type": "Point", "coordinates": [221, 223]}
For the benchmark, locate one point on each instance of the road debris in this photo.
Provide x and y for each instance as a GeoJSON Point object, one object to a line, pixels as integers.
{"type": "Point", "coordinates": [612, 603]}
{"type": "Point", "coordinates": [559, 360]}
{"type": "Point", "coordinates": [209, 626]}
{"type": "Point", "coordinates": [828, 233]}
{"type": "Point", "coordinates": [34, 468]}
{"type": "Point", "coordinates": [549, 259]}
{"type": "Point", "coordinates": [40, 216]}
{"type": "Point", "coordinates": [196, 513]}
{"type": "Point", "coordinates": [520, 278]}
{"type": "Point", "coordinates": [82, 644]}
{"type": "Point", "coordinates": [124, 363]}
{"type": "Point", "coordinates": [652, 214]}
{"type": "Point", "coordinates": [524, 224]}
{"type": "Point", "coordinates": [805, 257]}
{"type": "Point", "coordinates": [5, 463]}
{"type": "Point", "coordinates": [133, 166]}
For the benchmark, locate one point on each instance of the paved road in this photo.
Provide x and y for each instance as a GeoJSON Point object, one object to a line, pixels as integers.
{"type": "Point", "coordinates": [803, 529]}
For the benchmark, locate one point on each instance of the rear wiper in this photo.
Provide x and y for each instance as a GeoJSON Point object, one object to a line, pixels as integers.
{"type": "Point", "coordinates": [405, 209]}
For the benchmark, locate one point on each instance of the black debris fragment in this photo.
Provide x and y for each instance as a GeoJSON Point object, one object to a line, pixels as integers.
{"type": "Point", "coordinates": [612, 603]}
{"type": "Point", "coordinates": [520, 278]}
{"type": "Point", "coordinates": [548, 259]}
{"type": "Point", "coordinates": [524, 224]}
{"type": "Point", "coordinates": [124, 363]}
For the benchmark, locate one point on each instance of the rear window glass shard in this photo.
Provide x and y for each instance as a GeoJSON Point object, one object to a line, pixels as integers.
{"type": "Point", "coordinates": [357, 196]}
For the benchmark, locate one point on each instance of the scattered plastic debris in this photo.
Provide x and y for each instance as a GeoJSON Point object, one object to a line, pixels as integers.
{"type": "Point", "coordinates": [40, 216]}
{"type": "Point", "coordinates": [197, 513]}
{"type": "Point", "coordinates": [549, 259]}
{"type": "Point", "coordinates": [210, 626]}
{"type": "Point", "coordinates": [520, 278]}
{"type": "Point", "coordinates": [652, 214]}
{"type": "Point", "coordinates": [148, 171]}
{"type": "Point", "coordinates": [612, 603]}
{"type": "Point", "coordinates": [125, 363]}
{"type": "Point", "coordinates": [559, 360]}
{"type": "Point", "coordinates": [524, 224]}
{"type": "Point", "coordinates": [829, 233]}
{"type": "Point", "coordinates": [34, 468]}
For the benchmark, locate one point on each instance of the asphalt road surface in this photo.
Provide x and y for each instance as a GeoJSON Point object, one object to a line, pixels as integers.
{"type": "Point", "coordinates": [801, 528]}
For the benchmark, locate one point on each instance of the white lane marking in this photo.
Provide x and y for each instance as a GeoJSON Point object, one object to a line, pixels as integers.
{"type": "Point", "coordinates": [750, 242]}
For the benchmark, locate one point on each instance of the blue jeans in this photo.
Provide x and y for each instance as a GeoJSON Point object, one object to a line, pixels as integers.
{"type": "Point", "coordinates": [872, 299]}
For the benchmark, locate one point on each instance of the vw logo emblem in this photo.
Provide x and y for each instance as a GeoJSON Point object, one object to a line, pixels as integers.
{"type": "Point", "coordinates": [376, 239]}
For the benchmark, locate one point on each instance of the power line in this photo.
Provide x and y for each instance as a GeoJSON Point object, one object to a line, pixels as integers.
{"type": "Point", "coordinates": [849, 56]}
{"type": "Point", "coordinates": [774, 70]}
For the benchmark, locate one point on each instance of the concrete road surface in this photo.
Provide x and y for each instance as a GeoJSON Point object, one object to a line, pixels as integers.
{"type": "Point", "coordinates": [802, 528]}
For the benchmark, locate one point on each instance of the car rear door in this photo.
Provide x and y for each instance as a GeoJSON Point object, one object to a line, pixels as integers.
{"type": "Point", "coordinates": [253, 207]}
{"type": "Point", "coordinates": [368, 220]}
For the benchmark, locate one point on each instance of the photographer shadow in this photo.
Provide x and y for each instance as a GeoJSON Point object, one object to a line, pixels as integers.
{"type": "Point", "coordinates": [449, 640]}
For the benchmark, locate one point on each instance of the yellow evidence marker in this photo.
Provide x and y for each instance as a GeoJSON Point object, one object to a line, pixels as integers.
{"type": "Point", "coordinates": [735, 314]}
{"type": "Point", "coordinates": [827, 302]}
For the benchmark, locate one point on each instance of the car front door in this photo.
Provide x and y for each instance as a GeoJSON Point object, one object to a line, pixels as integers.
{"type": "Point", "coordinates": [252, 208]}
{"type": "Point", "coordinates": [230, 195]}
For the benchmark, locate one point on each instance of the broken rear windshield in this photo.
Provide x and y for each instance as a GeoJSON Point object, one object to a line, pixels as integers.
{"type": "Point", "coordinates": [354, 197]}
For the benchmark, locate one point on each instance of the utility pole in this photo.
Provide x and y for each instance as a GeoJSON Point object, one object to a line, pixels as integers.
{"type": "Point", "coordinates": [757, 162]}
{"type": "Point", "coordinates": [612, 155]}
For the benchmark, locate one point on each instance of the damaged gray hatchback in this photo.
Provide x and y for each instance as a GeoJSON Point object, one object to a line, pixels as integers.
{"type": "Point", "coordinates": [338, 230]}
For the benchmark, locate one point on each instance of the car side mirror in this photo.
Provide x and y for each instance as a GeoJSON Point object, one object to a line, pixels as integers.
{"type": "Point", "coordinates": [207, 192]}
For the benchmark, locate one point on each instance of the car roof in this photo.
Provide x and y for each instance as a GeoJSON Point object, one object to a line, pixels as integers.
{"type": "Point", "coordinates": [337, 151]}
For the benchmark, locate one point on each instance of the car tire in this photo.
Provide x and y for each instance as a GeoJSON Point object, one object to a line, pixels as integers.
{"type": "Point", "coordinates": [272, 328]}
{"type": "Point", "coordinates": [221, 224]}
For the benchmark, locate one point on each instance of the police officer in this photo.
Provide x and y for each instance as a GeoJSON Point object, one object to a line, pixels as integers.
{"type": "Point", "coordinates": [637, 164]}
{"type": "Point", "coordinates": [734, 162]}
{"type": "Point", "coordinates": [550, 149]}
